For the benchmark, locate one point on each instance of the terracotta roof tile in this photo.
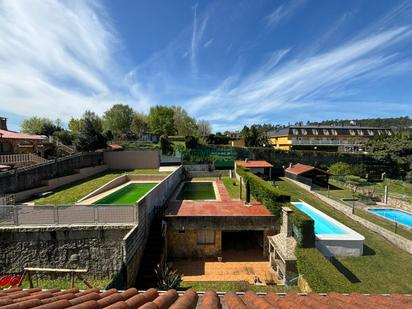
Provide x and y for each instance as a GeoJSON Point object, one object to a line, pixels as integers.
{"type": "Point", "coordinates": [254, 163]}
{"type": "Point", "coordinates": [17, 298]}
{"type": "Point", "coordinates": [299, 169]}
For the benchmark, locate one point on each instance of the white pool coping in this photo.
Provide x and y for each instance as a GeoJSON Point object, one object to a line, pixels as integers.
{"type": "Point", "coordinates": [337, 244]}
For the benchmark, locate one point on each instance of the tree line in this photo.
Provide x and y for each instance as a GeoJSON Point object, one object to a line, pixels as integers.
{"type": "Point", "coordinates": [119, 123]}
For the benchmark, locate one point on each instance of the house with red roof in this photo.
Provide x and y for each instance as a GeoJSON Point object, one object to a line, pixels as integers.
{"type": "Point", "coordinates": [308, 174]}
{"type": "Point", "coordinates": [14, 142]}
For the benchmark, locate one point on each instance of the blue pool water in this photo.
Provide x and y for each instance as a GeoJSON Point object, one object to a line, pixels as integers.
{"type": "Point", "coordinates": [395, 215]}
{"type": "Point", "coordinates": [322, 224]}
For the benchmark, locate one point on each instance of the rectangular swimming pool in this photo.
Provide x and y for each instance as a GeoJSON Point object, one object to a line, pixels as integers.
{"type": "Point", "coordinates": [197, 191]}
{"type": "Point", "coordinates": [128, 195]}
{"type": "Point", "coordinates": [332, 237]}
{"type": "Point", "coordinates": [396, 215]}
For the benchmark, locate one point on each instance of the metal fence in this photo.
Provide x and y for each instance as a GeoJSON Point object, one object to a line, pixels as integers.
{"type": "Point", "coordinates": [16, 215]}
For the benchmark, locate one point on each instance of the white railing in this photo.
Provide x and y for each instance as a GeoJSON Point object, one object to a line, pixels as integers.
{"type": "Point", "coordinates": [323, 142]}
{"type": "Point", "coordinates": [18, 215]}
{"type": "Point", "coordinates": [21, 158]}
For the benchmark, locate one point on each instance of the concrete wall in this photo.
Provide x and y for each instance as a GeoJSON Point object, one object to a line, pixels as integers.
{"type": "Point", "coordinates": [134, 242]}
{"type": "Point", "coordinates": [51, 184]}
{"type": "Point", "coordinates": [184, 245]}
{"type": "Point", "coordinates": [98, 248]}
{"type": "Point", "coordinates": [132, 159]}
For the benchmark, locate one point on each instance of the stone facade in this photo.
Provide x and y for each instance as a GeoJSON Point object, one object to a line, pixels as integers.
{"type": "Point", "coordinates": [183, 244]}
{"type": "Point", "coordinates": [97, 248]}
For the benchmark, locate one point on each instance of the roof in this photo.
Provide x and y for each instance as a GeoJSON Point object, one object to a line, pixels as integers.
{"type": "Point", "coordinates": [299, 169]}
{"type": "Point", "coordinates": [6, 134]}
{"type": "Point", "coordinates": [252, 164]}
{"type": "Point", "coordinates": [329, 131]}
{"type": "Point", "coordinates": [115, 147]}
{"type": "Point", "coordinates": [153, 299]}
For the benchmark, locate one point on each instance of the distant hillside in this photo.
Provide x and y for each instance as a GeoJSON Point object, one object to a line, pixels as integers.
{"type": "Point", "coordinates": [401, 123]}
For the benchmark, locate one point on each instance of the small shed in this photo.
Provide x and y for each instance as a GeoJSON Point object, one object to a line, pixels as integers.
{"type": "Point", "coordinates": [260, 168]}
{"type": "Point", "coordinates": [308, 174]}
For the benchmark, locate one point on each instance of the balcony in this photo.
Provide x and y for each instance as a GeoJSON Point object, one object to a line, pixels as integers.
{"type": "Point", "coordinates": [295, 141]}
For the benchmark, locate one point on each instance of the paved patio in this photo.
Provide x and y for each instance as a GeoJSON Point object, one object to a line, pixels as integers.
{"type": "Point", "coordinates": [236, 266]}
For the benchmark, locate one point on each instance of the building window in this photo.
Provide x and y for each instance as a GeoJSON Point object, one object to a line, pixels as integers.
{"type": "Point", "coordinates": [295, 131]}
{"type": "Point", "coordinates": [315, 131]}
{"type": "Point", "coordinates": [206, 237]}
{"type": "Point", "coordinates": [334, 132]}
{"type": "Point", "coordinates": [360, 132]}
{"type": "Point", "coordinates": [389, 132]}
{"type": "Point", "coordinates": [352, 132]}
{"type": "Point", "coordinates": [326, 132]}
{"type": "Point", "coordinates": [304, 132]}
{"type": "Point", "coordinates": [370, 132]}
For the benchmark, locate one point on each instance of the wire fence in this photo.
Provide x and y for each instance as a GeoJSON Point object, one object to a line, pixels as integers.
{"type": "Point", "coordinates": [17, 215]}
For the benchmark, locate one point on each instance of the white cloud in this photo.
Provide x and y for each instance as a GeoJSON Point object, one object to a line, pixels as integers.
{"type": "Point", "coordinates": [197, 35]}
{"type": "Point", "coordinates": [57, 58]}
{"type": "Point", "coordinates": [283, 12]}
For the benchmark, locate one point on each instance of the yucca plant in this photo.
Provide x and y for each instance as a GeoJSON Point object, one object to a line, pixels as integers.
{"type": "Point", "coordinates": [166, 277]}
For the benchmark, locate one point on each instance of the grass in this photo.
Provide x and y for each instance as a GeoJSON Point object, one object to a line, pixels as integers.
{"type": "Point", "coordinates": [232, 186]}
{"type": "Point", "coordinates": [342, 192]}
{"type": "Point", "coordinates": [382, 269]}
{"type": "Point", "coordinates": [197, 191]}
{"type": "Point", "coordinates": [231, 286]}
{"type": "Point", "coordinates": [71, 193]}
{"type": "Point", "coordinates": [65, 283]}
{"type": "Point", "coordinates": [127, 195]}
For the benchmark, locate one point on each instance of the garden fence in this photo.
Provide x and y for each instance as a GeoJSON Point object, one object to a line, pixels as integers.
{"type": "Point", "coordinates": [18, 215]}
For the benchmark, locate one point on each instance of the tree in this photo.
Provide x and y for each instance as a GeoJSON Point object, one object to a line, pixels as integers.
{"type": "Point", "coordinates": [203, 128]}
{"type": "Point", "coordinates": [161, 120]}
{"type": "Point", "coordinates": [184, 124]}
{"type": "Point", "coordinates": [39, 125]}
{"type": "Point", "coordinates": [75, 125]}
{"type": "Point", "coordinates": [190, 142]}
{"type": "Point", "coordinates": [166, 146]}
{"type": "Point", "coordinates": [139, 124]}
{"type": "Point", "coordinates": [255, 136]}
{"type": "Point", "coordinates": [90, 137]}
{"type": "Point", "coordinates": [340, 169]}
{"type": "Point", "coordinates": [118, 119]}
{"type": "Point", "coordinates": [64, 136]}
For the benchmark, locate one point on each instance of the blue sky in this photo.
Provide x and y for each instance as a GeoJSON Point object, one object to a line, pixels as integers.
{"type": "Point", "coordinates": [229, 62]}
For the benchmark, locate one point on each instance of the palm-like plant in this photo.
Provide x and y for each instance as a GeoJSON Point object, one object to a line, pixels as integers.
{"type": "Point", "coordinates": [166, 277]}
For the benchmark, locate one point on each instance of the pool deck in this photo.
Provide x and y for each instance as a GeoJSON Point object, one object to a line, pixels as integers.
{"type": "Point", "coordinates": [225, 206]}
{"type": "Point", "coordinates": [97, 197]}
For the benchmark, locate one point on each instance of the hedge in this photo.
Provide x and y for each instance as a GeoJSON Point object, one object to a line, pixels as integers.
{"type": "Point", "coordinates": [303, 228]}
{"type": "Point", "coordinates": [321, 275]}
{"type": "Point", "coordinates": [264, 192]}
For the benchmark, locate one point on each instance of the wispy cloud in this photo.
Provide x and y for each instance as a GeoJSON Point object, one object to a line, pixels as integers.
{"type": "Point", "coordinates": [207, 44]}
{"type": "Point", "coordinates": [300, 82]}
{"type": "Point", "coordinates": [197, 35]}
{"type": "Point", "coordinates": [58, 65]}
{"type": "Point", "coordinates": [283, 12]}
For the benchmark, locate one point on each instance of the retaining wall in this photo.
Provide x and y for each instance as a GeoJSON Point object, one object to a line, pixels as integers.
{"type": "Point", "coordinates": [395, 239]}
{"type": "Point", "coordinates": [132, 159]}
{"type": "Point", "coordinates": [97, 248]}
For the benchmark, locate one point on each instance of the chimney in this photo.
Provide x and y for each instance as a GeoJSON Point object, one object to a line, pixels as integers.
{"type": "Point", "coordinates": [286, 224]}
{"type": "Point", "coordinates": [3, 123]}
{"type": "Point", "coordinates": [290, 164]}
{"type": "Point", "coordinates": [246, 160]}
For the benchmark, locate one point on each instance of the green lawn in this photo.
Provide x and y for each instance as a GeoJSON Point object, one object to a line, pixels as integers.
{"type": "Point", "coordinates": [197, 191]}
{"type": "Point", "coordinates": [382, 269]}
{"type": "Point", "coordinates": [232, 186]}
{"type": "Point", "coordinates": [341, 192]}
{"type": "Point", "coordinates": [65, 283]}
{"type": "Point", "coordinates": [231, 286]}
{"type": "Point", "coordinates": [71, 193]}
{"type": "Point", "coordinates": [127, 195]}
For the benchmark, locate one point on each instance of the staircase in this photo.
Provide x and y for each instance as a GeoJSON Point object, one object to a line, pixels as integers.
{"type": "Point", "coordinates": [151, 257]}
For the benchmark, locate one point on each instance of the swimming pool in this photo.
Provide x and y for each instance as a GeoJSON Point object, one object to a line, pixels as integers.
{"type": "Point", "coordinates": [332, 237]}
{"type": "Point", "coordinates": [396, 215]}
{"type": "Point", "coordinates": [128, 195]}
{"type": "Point", "coordinates": [322, 224]}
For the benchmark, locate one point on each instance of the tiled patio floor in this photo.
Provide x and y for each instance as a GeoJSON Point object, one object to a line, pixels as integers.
{"type": "Point", "coordinates": [236, 266]}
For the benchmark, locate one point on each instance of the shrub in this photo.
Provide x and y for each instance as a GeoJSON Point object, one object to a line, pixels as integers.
{"type": "Point", "coordinates": [167, 278]}
{"type": "Point", "coordinates": [303, 228]}
{"type": "Point", "coordinates": [321, 275]}
{"type": "Point", "coordinates": [264, 191]}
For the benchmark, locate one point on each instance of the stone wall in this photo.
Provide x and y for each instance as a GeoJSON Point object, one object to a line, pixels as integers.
{"type": "Point", "coordinates": [97, 248]}
{"type": "Point", "coordinates": [184, 245]}
{"type": "Point", "coordinates": [31, 177]}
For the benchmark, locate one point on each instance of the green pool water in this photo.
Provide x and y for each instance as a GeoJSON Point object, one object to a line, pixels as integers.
{"type": "Point", "coordinates": [197, 191]}
{"type": "Point", "coordinates": [127, 195]}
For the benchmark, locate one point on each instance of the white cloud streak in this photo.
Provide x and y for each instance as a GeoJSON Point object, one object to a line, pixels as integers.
{"type": "Point", "coordinates": [283, 13]}
{"type": "Point", "coordinates": [57, 59]}
{"type": "Point", "coordinates": [197, 35]}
